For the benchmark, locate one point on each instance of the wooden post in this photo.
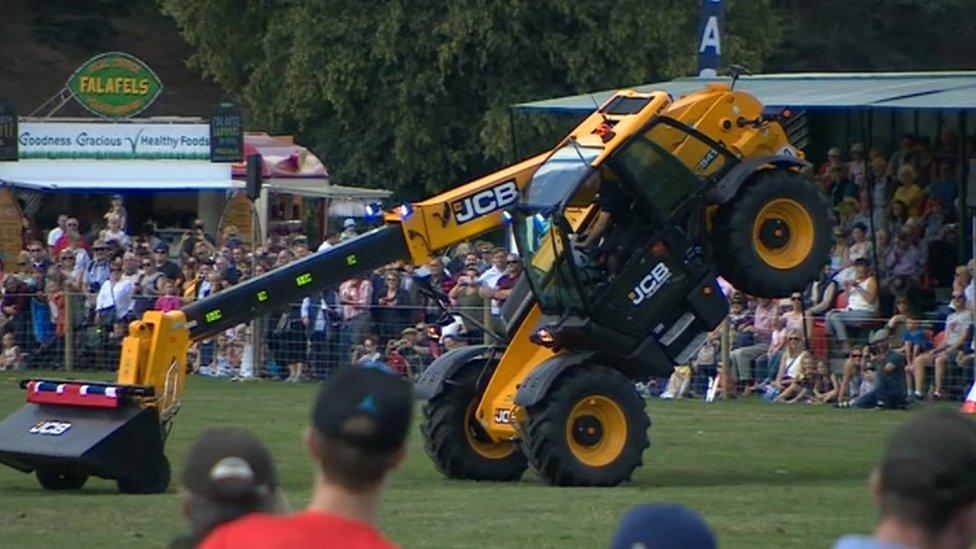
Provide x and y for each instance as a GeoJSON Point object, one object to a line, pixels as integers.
{"type": "Point", "coordinates": [69, 331]}
{"type": "Point", "coordinates": [724, 342]}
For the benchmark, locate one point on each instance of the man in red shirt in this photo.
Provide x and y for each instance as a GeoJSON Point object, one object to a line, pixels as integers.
{"type": "Point", "coordinates": [360, 425]}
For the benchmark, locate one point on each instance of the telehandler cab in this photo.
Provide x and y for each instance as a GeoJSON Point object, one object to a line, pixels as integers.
{"type": "Point", "coordinates": [623, 228]}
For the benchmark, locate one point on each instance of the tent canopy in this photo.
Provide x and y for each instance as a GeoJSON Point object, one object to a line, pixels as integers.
{"type": "Point", "coordinates": [84, 176]}
{"type": "Point", "coordinates": [811, 91]}
{"type": "Point", "coordinates": [320, 188]}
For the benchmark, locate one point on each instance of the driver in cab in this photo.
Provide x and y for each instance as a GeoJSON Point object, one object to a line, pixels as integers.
{"type": "Point", "coordinates": [607, 237]}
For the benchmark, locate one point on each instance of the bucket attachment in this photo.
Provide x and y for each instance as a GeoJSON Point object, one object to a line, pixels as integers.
{"type": "Point", "coordinates": [69, 431]}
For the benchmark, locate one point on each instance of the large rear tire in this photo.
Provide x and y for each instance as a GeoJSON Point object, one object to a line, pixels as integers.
{"type": "Point", "coordinates": [457, 444]}
{"type": "Point", "coordinates": [774, 236]}
{"type": "Point", "coordinates": [590, 429]}
{"type": "Point", "coordinates": [52, 479]}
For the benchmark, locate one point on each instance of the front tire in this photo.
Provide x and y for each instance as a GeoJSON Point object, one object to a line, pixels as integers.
{"type": "Point", "coordinates": [457, 444]}
{"type": "Point", "coordinates": [590, 429]}
{"type": "Point", "coordinates": [51, 479]}
{"type": "Point", "coordinates": [774, 236]}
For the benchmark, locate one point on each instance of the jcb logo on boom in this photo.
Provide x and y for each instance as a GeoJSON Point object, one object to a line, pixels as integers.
{"type": "Point", "coordinates": [650, 284]}
{"type": "Point", "coordinates": [485, 202]}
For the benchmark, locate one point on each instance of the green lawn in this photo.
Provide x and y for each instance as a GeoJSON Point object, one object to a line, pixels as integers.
{"type": "Point", "coordinates": [762, 475]}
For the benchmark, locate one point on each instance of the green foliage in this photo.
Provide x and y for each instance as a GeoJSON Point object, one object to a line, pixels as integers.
{"type": "Point", "coordinates": [886, 35]}
{"type": "Point", "coordinates": [414, 96]}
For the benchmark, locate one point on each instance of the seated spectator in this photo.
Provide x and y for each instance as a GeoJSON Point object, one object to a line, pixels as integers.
{"type": "Point", "coordinates": [663, 526]}
{"type": "Point", "coordinates": [944, 187]}
{"type": "Point", "coordinates": [933, 222]}
{"type": "Point", "coordinates": [924, 485]}
{"type": "Point", "coordinates": [898, 217]}
{"type": "Point", "coordinates": [862, 303]}
{"type": "Point", "coordinates": [882, 241]}
{"type": "Point", "coordinates": [228, 473]}
{"type": "Point", "coordinates": [903, 265]}
{"type": "Point", "coordinates": [801, 388]}
{"type": "Point", "coordinates": [220, 364]}
{"type": "Point", "coordinates": [896, 324]}
{"type": "Point", "coordinates": [857, 166]}
{"type": "Point", "coordinates": [889, 375]}
{"type": "Point", "coordinates": [823, 295]}
{"type": "Point", "coordinates": [825, 385]}
{"type": "Point", "coordinates": [828, 174]}
{"type": "Point", "coordinates": [789, 364]}
{"type": "Point", "coordinates": [908, 192]}
{"type": "Point", "coordinates": [958, 328]}
{"type": "Point", "coordinates": [839, 251]}
{"type": "Point", "coordinates": [793, 318]}
{"type": "Point", "coordinates": [11, 358]}
{"type": "Point", "coordinates": [360, 425]}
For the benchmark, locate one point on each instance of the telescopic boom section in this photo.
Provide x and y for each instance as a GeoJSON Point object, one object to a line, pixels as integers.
{"type": "Point", "coordinates": [294, 281]}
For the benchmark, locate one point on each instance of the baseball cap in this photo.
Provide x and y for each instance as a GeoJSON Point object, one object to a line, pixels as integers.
{"type": "Point", "coordinates": [663, 525]}
{"type": "Point", "coordinates": [931, 459]}
{"type": "Point", "coordinates": [229, 465]}
{"type": "Point", "coordinates": [879, 335]}
{"type": "Point", "coordinates": [366, 408]}
{"type": "Point", "coordinates": [349, 222]}
{"type": "Point", "coordinates": [161, 247]}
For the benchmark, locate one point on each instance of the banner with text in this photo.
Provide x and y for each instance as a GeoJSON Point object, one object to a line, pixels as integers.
{"type": "Point", "coordinates": [143, 141]}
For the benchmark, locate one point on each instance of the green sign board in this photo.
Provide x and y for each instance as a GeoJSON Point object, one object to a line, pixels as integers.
{"type": "Point", "coordinates": [115, 85]}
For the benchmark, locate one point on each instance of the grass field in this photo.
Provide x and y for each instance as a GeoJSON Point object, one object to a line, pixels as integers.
{"type": "Point", "coordinates": [762, 475]}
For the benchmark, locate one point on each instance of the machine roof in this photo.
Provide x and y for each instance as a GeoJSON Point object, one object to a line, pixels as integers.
{"type": "Point", "coordinates": [811, 91]}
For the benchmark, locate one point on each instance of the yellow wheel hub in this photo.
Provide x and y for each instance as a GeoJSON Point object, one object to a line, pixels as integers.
{"type": "Point", "coordinates": [782, 233]}
{"type": "Point", "coordinates": [479, 442]}
{"type": "Point", "coordinates": [596, 430]}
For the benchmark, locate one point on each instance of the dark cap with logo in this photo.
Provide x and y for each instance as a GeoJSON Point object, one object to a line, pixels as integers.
{"type": "Point", "coordinates": [932, 459]}
{"type": "Point", "coordinates": [366, 408]}
{"type": "Point", "coordinates": [229, 465]}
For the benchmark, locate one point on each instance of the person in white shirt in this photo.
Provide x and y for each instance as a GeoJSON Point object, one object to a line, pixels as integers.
{"type": "Point", "coordinates": [57, 232]}
{"type": "Point", "coordinates": [958, 327]}
{"type": "Point", "coordinates": [489, 279]}
{"type": "Point", "coordinates": [115, 300]}
{"type": "Point", "coordinates": [331, 240]}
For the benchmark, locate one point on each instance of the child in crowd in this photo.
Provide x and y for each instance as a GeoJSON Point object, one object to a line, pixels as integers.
{"type": "Point", "coordinates": [169, 300]}
{"type": "Point", "coordinates": [914, 341]}
{"type": "Point", "coordinates": [11, 357]}
{"type": "Point", "coordinates": [220, 366]}
{"type": "Point", "coordinates": [802, 387]}
{"type": "Point", "coordinates": [825, 385]}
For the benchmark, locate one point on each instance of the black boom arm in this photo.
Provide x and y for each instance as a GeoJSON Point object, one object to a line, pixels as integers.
{"type": "Point", "coordinates": [294, 281]}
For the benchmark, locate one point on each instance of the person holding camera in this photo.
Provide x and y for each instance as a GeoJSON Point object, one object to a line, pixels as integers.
{"type": "Point", "coordinates": [889, 375]}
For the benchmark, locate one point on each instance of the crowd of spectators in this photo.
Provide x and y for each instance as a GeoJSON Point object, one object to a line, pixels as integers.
{"type": "Point", "coordinates": [892, 311]}
{"type": "Point", "coordinates": [93, 284]}
{"type": "Point", "coordinates": [892, 265]}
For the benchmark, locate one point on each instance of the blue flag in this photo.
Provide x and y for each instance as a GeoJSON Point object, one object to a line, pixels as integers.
{"type": "Point", "coordinates": [710, 38]}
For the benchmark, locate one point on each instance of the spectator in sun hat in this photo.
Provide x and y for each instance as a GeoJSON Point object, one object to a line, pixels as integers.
{"type": "Point", "coordinates": [924, 486]}
{"type": "Point", "coordinates": [360, 423]}
{"type": "Point", "coordinates": [663, 526]}
{"type": "Point", "coordinates": [229, 473]}
{"type": "Point", "coordinates": [348, 229]}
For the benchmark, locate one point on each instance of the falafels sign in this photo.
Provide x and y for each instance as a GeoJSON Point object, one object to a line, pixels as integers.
{"type": "Point", "coordinates": [115, 85]}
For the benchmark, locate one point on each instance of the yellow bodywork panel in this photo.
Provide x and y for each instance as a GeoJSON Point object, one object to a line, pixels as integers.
{"type": "Point", "coordinates": [520, 358]}
{"type": "Point", "coordinates": [154, 354]}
